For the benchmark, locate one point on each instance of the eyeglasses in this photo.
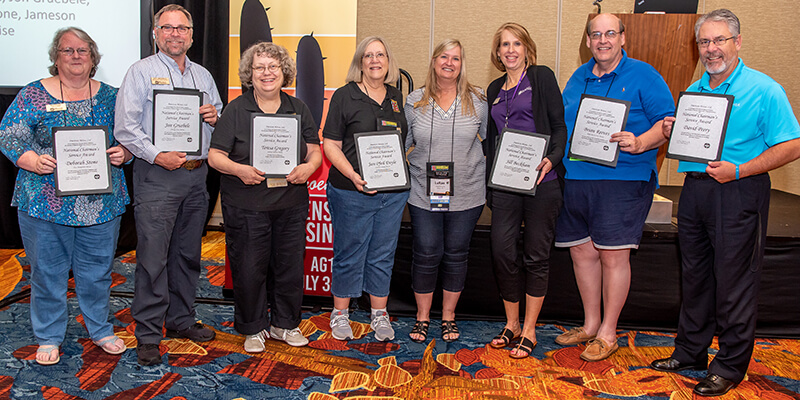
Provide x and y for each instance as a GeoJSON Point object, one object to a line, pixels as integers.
{"type": "Point", "coordinates": [69, 51]}
{"type": "Point", "coordinates": [370, 56]}
{"type": "Point", "coordinates": [610, 35]}
{"type": "Point", "coordinates": [169, 28]}
{"type": "Point", "coordinates": [703, 43]}
{"type": "Point", "coordinates": [272, 68]}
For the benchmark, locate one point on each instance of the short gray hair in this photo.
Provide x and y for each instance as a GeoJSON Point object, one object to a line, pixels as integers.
{"type": "Point", "coordinates": [82, 35]}
{"type": "Point", "coordinates": [266, 49]}
{"type": "Point", "coordinates": [721, 15]}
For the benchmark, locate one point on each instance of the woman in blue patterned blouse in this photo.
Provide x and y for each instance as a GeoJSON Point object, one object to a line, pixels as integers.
{"type": "Point", "coordinates": [60, 233]}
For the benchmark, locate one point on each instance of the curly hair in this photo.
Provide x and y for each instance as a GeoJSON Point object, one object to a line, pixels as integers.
{"type": "Point", "coordinates": [266, 49]}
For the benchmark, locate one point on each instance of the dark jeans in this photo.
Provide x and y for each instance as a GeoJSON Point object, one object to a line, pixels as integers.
{"type": "Point", "coordinates": [539, 213]}
{"type": "Point", "coordinates": [263, 246]}
{"type": "Point", "coordinates": [722, 230]}
{"type": "Point", "coordinates": [441, 238]}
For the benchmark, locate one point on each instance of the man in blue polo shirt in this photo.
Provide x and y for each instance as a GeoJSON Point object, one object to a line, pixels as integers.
{"type": "Point", "coordinates": [605, 207]}
{"type": "Point", "coordinates": [722, 214]}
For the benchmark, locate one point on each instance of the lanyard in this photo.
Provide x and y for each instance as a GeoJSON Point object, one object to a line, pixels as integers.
{"type": "Point", "coordinates": [586, 86]}
{"type": "Point", "coordinates": [64, 112]}
{"type": "Point", "coordinates": [514, 96]}
{"type": "Point", "coordinates": [172, 81]}
{"type": "Point", "coordinates": [452, 130]}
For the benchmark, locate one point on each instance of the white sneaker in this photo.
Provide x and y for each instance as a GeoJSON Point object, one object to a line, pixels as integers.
{"type": "Point", "coordinates": [255, 343]}
{"type": "Point", "coordinates": [292, 337]}
{"type": "Point", "coordinates": [340, 327]}
{"type": "Point", "coordinates": [382, 327]}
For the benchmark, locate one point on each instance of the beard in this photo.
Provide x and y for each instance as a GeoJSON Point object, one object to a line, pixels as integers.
{"type": "Point", "coordinates": [720, 65]}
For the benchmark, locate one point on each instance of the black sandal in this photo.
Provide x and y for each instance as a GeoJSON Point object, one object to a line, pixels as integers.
{"type": "Point", "coordinates": [420, 328]}
{"type": "Point", "coordinates": [525, 345]}
{"type": "Point", "coordinates": [449, 328]}
{"type": "Point", "coordinates": [507, 336]}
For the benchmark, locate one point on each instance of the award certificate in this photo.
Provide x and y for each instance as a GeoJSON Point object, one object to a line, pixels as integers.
{"type": "Point", "coordinates": [518, 155]}
{"type": "Point", "coordinates": [82, 165]}
{"type": "Point", "coordinates": [701, 120]}
{"type": "Point", "coordinates": [382, 160]}
{"type": "Point", "coordinates": [274, 143]}
{"type": "Point", "coordinates": [598, 118]}
{"type": "Point", "coordinates": [177, 124]}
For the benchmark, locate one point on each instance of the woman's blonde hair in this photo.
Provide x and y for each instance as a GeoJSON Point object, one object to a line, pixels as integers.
{"type": "Point", "coordinates": [522, 34]}
{"type": "Point", "coordinates": [465, 90]}
{"type": "Point", "coordinates": [355, 72]}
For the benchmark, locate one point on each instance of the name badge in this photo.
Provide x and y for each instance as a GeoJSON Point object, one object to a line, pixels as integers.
{"type": "Point", "coordinates": [56, 107]}
{"type": "Point", "coordinates": [440, 203]}
{"type": "Point", "coordinates": [387, 125]}
{"type": "Point", "coordinates": [277, 182]}
{"type": "Point", "coordinates": [159, 81]}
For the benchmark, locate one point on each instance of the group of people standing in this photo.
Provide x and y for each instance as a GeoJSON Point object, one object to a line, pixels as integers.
{"type": "Point", "coordinates": [451, 130]}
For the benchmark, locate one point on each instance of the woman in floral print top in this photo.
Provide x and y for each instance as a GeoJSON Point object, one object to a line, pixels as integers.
{"type": "Point", "coordinates": [60, 233]}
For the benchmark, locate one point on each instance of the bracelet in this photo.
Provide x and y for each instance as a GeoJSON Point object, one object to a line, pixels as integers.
{"type": "Point", "coordinates": [737, 172]}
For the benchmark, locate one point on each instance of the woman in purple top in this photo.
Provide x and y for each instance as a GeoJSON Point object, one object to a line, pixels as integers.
{"type": "Point", "coordinates": [526, 98]}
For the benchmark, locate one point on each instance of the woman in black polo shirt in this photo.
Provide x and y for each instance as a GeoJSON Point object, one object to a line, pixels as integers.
{"type": "Point", "coordinates": [365, 224]}
{"type": "Point", "coordinates": [264, 217]}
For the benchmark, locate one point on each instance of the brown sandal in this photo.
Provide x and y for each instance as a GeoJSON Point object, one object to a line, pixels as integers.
{"type": "Point", "coordinates": [525, 346]}
{"type": "Point", "coordinates": [507, 336]}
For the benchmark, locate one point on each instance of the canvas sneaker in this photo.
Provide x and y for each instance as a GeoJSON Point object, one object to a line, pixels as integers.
{"type": "Point", "coordinates": [255, 343]}
{"type": "Point", "coordinates": [382, 327]}
{"type": "Point", "coordinates": [292, 337]}
{"type": "Point", "coordinates": [340, 326]}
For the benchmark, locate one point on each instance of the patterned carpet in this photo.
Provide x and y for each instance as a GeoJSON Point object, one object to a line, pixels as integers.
{"type": "Point", "coordinates": [332, 369]}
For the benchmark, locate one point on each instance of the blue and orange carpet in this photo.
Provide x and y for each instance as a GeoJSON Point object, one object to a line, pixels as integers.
{"type": "Point", "coordinates": [331, 369]}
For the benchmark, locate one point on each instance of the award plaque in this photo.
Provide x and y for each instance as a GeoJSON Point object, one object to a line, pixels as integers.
{"type": "Point", "coordinates": [598, 118]}
{"type": "Point", "coordinates": [82, 165]}
{"type": "Point", "coordinates": [382, 160]}
{"type": "Point", "coordinates": [701, 120]}
{"type": "Point", "coordinates": [177, 123]}
{"type": "Point", "coordinates": [274, 143]}
{"type": "Point", "coordinates": [518, 155]}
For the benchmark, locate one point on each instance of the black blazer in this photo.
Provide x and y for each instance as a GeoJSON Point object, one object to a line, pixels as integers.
{"type": "Point", "coordinates": [548, 113]}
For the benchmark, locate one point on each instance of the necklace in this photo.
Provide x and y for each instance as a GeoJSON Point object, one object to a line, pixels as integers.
{"type": "Point", "coordinates": [89, 99]}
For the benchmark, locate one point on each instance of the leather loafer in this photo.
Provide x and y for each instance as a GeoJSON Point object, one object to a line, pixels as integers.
{"type": "Point", "coordinates": [148, 354]}
{"type": "Point", "coordinates": [714, 385]}
{"type": "Point", "coordinates": [672, 365]}
{"type": "Point", "coordinates": [196, 332]}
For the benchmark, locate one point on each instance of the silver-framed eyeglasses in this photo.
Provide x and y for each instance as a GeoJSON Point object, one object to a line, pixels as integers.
{"type": "Point", "coordinates": [370, 56]}
{"type": "Point", "coordinates": [168, 29]}
{"type": "Point", "coordinates": [263, 68]}
{"type": "Point", "coordinates": [720, 41]}
{"type": "Point", "coordinates": [69, 51]}
{"type": "Point", "coordinates": [610, 35]}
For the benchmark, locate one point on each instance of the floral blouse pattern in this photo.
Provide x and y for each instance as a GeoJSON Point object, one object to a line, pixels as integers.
{"type": "Point", "coordinates": [27, 126]}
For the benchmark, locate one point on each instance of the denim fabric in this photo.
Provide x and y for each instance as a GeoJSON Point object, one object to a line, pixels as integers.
{"type": "Point", "coordinates": [365, 229]}
{"type": "Point", "coordinates": [53, 250]}
{"type": "Point", "coordinates": [441, 238]}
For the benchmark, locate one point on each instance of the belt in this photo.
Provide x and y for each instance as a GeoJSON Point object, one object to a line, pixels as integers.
{"type": "Point", "coordinates": [192, 164]}
{"type": "Point", "coordinates": [698, 175]}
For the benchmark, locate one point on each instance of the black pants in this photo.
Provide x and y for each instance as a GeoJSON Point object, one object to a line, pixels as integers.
{"type": "Point", "coordinates": [170, 210]}
{"type": "Point", "coordinates": [539, 213]}
{"type": "Point", "coordinates": [722, 229]}
{"type": "Point", "coordinates": [266, 250]}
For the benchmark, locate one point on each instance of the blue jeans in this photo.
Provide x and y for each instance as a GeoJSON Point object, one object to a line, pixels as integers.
{"type": "Point", "coordinates": [52, 250]}
{"type": "Point", "coordinates": [365, 229]}
{"type": "Point", "coordinates": [441, 238]}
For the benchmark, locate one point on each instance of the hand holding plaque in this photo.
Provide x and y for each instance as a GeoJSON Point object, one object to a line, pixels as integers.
{"type": "Point", "coordinates": [698, 132]}
{"type": "Point", "coordinates": [598, 118]}
{"type": "Point", "coordinates": [177, 123]}
{"type": "Point", "coordinates": [518, 155]}
{"type": "Point", "coordinates": [82, 164]}
{"type": "Point", "coordinates": [382, 160]}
